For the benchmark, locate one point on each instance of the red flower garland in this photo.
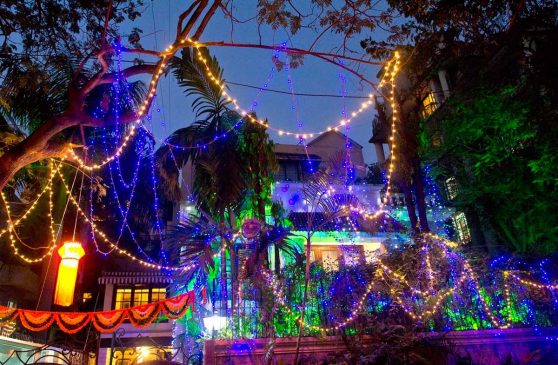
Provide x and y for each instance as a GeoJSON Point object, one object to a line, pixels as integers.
{"type": "Point", "coordinates": [104, 321]}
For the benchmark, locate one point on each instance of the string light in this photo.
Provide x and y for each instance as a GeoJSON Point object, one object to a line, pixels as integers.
{"type": "Point", "coordinates": [394, 119]}
{"type": "Point", "coordinates": [507, 297]}
{"type": "Point", "coordinates": [135, 124]}
{"type": "Point", "coordinates": [466, 274]}
{"type": "Point", "coordinates": [532, 283]}
{"type": "Point", "coordinates": [298, 135]}
{"type": "Point", "coordinates": [114, 246]}
{"type": "Point", "coordinates": [352, 316]}
{"type": "Point", "coordinates": [12, 226]}
{"type": "Point", "coordinates": [391, 70]}
{"type": "Point", "coordinates": [169, 51]}
{"type": "Point", "coordinates": [31, 207]}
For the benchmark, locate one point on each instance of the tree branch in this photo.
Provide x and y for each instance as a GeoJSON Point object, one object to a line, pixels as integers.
{"type": "Point", "coordinates": [94, 81]}
{"type": "Point", "coordinates": [288, 50]}
{"type": "Point", "coordinates": [141, 51]}
{"type": "Point", "coordinates": [128, 72]}
{"type": "Point", "coordinates": [181, 18]}
{"type": "Point", "coordinates": [192, 21]}
{"type": "Point", "coordinates": [206, 18]}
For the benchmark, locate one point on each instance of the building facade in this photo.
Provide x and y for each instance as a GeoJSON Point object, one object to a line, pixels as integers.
{"type": "Point", "coordinates": [130, 345]}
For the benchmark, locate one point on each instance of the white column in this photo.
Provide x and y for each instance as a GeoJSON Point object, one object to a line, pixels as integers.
{"type": "Point", "coordinates": [380, 154]}
{"type": "Point", "coordinates": [442, 74]}
{"type": "Point", "coordinates": [107, 301]}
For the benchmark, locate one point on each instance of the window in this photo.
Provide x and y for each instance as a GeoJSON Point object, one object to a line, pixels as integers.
{"type": "Point", "coordinates": [461, 227]}
{"type": "Point", "coordinates": [141, 296]}
{"type": "Point", "coordinates": [158, 294]}
{"type": "Point", "coordinates": [126, 297]}
{"type": "Point", "coordinates": [451, 188]}
{"type": "Point", "coordinates": [429, 105]}
{"type": "Point", "coordinates": [123, 298]}
{"type": "Point", "coordinates": [312, 256]}
{"type": "Point", "coordinates": [330, 260]}
{"type": "Point", "coordinates": [87, 297]}
{"type": "Point", "coordinates": [290, 171]}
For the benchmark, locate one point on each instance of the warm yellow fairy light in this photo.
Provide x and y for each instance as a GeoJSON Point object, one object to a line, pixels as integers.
{"type": "Point", "coordinates": [13, 224]}
{"type": "Point", "coordinates": [364, 106]}
{"type": "Point", "coordinates": [448, 243]}
{"type": "Point", "coordinates": [532, 283]}
{"type": "Point", "coordinates": [31, 207]}
{"type": "Point", "coordinates": [115, 247]}
{"type": "Point", "coordinates": [485, 305]}
{"type": "Point", "coordinates": [137, 123]}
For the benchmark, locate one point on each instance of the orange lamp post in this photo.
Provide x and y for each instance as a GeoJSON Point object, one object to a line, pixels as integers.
{"type": "Point", "coordinates": [70, 254]}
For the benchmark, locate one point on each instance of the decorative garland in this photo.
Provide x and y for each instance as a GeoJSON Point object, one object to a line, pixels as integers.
{"type": "Point", "coordinates": [104, 321]}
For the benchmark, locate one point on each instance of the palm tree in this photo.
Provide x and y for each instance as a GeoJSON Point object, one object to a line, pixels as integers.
{"type": "Point", "coordinates": [232, 174]}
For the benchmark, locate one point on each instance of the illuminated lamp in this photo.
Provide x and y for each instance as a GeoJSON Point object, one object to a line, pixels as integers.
{"type": "Point", "coordinates": [70, 254]}
{"type": "Point", "coordinates": [214, 323]}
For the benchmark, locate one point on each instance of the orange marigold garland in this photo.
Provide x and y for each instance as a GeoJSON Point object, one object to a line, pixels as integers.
{"type": "Point", "coordinates": [105, 321]}
{"type": "Point", "coordinates": [7, 315]}
{"type": "Point", "coordinates": [36, 321]}
{"type": "Point", "coordinates": [176, 307]}
{"type": "Point", "coordinates": [108, 321]}
{"type": "Point", "coordinates": [144, 315]}
{"type": "Point", "coordinates": [72, 322]}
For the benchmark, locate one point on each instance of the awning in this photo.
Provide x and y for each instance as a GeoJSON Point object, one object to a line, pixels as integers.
{"type": "Point", "coordinates": [134, 277]}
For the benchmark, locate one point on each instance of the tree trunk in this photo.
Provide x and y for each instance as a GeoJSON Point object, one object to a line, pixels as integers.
{"type": "Point", "coordinates": [277, 260]}
{"type": "Point", "coordinates": [224, 298]}
{"type": "Point", "coordinates": [406, 188]}
{"type": "Point", "coordinates": [489, 233]}
{"type": "Point", "coordinates": [35, 147]}
{"type": "Point", "coordinates": [418, 186]}
{"type": "Point", "coordinates": [304, 298]}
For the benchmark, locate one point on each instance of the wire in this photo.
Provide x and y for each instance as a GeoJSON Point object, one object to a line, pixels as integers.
{"type": "Point", "coordinates": [299, 94]}
{"type": "Point", "coordinates": [77, 213]}
{"type": "Point", "coordinates": [58, 237]}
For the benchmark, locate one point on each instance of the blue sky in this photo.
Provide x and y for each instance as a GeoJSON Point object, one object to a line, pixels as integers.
{"type": "Point", "coordinates": [253, 66]}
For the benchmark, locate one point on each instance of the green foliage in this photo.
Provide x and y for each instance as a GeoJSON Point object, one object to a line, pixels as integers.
{"type": "Point", "coordinates": [43, 42]}
{"type": "Point", "coordinates": [501, 157]}
{"type": "Point", "coordinates": [256, 151]}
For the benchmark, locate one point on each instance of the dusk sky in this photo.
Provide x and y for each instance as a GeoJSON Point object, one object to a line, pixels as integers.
{"type": "Point", "coordinates": [254, 67]}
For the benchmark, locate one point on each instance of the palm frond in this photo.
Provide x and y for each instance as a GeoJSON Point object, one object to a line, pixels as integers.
{"type": "Point", "coordinates": [191, 74]}
{"type": "Point", "coordinates": [318, 189]}
{"type": "Point", "coordinates": [277, 236]}
{"type": "Point", "coordinates": [191, 240]}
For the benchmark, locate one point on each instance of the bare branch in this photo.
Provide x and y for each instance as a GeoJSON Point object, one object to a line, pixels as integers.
{"type": "Point", "coordinates": [181, 18]}
{"type": "Point", "coordinates": [289, 50]}
{"type": "Point", "coordinates": [141, 51]}
{"type": "Point", "coordinates": [94, 82]}
{"type": "Point", "coordinates": [128, 72]}
{"type": "Point", "coordinates": [107, 17]}
{"type": "Point", "coordinates": [216, 4]}
{"type": "Point", "coordinates": [193, 19]}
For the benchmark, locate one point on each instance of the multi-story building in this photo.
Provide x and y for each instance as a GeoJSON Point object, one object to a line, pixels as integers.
{"type": "Point", "coordinates": [334, 243]}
